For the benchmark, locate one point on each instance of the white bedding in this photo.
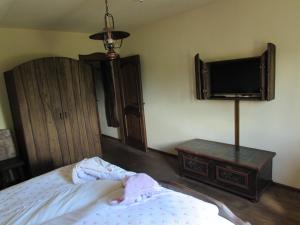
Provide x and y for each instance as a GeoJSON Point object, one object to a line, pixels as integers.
{"type": "Point", "coordinates": [53, 199]}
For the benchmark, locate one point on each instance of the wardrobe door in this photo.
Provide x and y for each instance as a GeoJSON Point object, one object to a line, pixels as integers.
{"type": "Point", "coordinates": [79, 108]}
{"type": "Point", "coordinates": [46, 75]}
{"type": "Point", "coordinates": [34, 96]}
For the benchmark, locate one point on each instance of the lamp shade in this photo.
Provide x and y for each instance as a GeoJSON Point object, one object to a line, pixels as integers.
{"type": "Point", "coordinates": [115, 35]}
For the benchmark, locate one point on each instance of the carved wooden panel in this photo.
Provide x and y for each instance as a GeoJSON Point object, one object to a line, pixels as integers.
{"type": "Point", "coordinates": [193, 164]}
{"type": "Point", "coordinates": [233, 177]}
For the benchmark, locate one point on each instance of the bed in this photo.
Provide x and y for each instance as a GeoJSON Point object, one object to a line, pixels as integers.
{"type": "Point", "coordinates": [54, 199]}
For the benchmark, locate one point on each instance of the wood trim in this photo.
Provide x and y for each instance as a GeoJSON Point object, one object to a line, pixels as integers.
{"type": "Point", "coordinates": [237, 124]}
{"type": "Point", "coordinates": [185, 167]}
{"type": "Point", "coordinates": [216, 158]}
{"type": "Point", "coordinates": [246, 175]}
{"type": "Point", "coordinates": [287, 187]}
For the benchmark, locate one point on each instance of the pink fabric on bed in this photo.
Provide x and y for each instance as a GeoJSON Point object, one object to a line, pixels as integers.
{"type": "Point", "coordinates": [136, 188]}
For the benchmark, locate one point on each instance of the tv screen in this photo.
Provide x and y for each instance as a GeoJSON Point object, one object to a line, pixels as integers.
{"type": "Point", "coordinates": [235, 77]}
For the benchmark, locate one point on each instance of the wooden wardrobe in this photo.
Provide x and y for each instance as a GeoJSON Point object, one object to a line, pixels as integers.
{"type": "Point", "coordinates": [54, 111]}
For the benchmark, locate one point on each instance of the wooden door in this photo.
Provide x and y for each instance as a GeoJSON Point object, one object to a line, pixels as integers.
{"type": "Point", "coordinates": [36, 106]}
{"type": "Point", "coordinates": [132, 102]}
{"type": "Point", "coordinates": [79, 109]}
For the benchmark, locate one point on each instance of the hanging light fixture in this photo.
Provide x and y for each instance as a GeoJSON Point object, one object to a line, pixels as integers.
{"type": "Point", "coordinates": [112, 39]}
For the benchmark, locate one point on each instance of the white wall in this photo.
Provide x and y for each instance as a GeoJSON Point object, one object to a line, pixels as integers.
{"type": "Point", "coordinates": [223, 30]}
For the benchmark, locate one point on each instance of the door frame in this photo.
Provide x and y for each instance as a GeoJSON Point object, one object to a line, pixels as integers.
{"type": "Point", "coordinates": [93, 58]}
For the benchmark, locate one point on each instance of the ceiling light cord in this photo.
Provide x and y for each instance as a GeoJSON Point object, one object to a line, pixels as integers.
{"type": "Point", "coordinates": [108, 18]}
{"type": "Point", "coordinates": [106, 7]}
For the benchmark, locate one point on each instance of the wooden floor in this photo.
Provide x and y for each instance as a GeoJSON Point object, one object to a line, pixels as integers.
{"type": "Point", "coordinates": [278, 205]}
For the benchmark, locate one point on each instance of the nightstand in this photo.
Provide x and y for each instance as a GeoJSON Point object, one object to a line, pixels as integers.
{"type": "Point", "coordinates": [11, 172]}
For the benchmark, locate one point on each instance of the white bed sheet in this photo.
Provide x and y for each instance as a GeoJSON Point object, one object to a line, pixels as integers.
{"type": "Point", "coordinates": [54, 200]}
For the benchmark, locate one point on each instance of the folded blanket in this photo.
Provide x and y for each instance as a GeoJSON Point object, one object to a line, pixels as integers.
{"type": "Point", "coordinates": [136, 188]}
{"type": "Point", "coordinates": [96, 168]}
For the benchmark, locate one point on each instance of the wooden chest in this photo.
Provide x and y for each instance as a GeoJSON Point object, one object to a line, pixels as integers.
{"type": "Point", "coordinates": [246, 172]}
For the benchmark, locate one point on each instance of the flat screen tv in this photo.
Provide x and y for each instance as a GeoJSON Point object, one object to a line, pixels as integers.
{"type": "Point", "coordinates": [246, 78]}
{"type": "Point", "coordinates": [240, 77]}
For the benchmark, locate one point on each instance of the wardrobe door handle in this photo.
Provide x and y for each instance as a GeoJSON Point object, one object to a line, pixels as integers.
{"type": "Point", "coordinates": [61, 116]}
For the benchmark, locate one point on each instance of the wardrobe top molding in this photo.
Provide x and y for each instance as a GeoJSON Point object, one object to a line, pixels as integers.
{"type": "Point", "coordinates": [43, 58]}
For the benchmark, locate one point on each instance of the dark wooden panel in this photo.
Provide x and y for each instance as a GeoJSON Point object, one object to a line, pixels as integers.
{"type": "Point", "coordinates": [80, 112]}
{"type": "Point", "coordinates": [22, 125]}
{"type": "Point", "coordinates": [271, 67]}
{"type": "Point", "coordinates": [133, 130]}
{"type": "Point", "coordinates": [75, 135]}
{"type": "Point", "coordinates": [88, 101]}
{"type": "Point", "coordinates": [26, 77]}
{"type": "Point", "coordinates": [132, 102]}
{"type": "Point", "coordinates": [237, 179]}
{"type": "Point", "coordinates": [263, 80]}
{"type": "Point", "coordinates": [195, 164]}
{"type": "Point", "coordinates": [199, 78]}
{"type": "Point", "coordinates": [50, 96]}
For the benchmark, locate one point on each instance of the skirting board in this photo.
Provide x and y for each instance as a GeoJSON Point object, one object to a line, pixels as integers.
{"type": "Point", "coordinates": [287, 187]}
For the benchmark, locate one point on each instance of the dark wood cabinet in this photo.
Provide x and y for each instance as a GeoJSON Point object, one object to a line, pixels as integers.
{"type": "Point", "coordinates": [54, 110]}
{"type": "Point", "coordinates": [246, 172]}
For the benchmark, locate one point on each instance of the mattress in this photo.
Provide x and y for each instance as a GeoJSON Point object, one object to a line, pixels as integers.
{"type": "Point", "coordinates": [53, 199]}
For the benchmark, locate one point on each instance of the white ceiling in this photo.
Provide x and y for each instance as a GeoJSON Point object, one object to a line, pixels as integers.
{"type": "Point", "coordinates": [87, 15]}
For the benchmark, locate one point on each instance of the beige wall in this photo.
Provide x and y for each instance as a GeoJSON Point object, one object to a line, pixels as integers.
{"type": "Point", "coordinates": [224, 29]}
{"type": "Point", "coordinates": [19, 45]}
